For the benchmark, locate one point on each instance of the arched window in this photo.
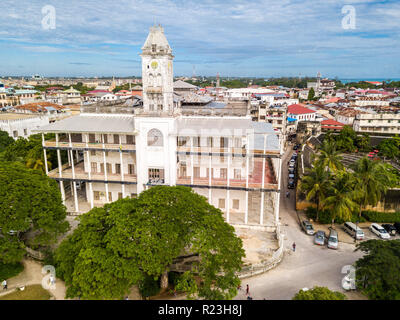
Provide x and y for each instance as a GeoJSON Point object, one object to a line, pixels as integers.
{"type": "Point", "coordinates": [155, 138]}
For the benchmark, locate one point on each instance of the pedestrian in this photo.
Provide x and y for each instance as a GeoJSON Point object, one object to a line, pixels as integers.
{"type": "Point", "coordinates": [52, 280]}
{"type": "Point", "coordinates": [287, 194]}
{"type": "Point", "coordinates": [247, 289]}
{"type": "Point", "coordinates": [4, 284]}
{"type": "Point", "coordinates": [249, 298]}
{"type": "Point", "coordinates": [294, 246]}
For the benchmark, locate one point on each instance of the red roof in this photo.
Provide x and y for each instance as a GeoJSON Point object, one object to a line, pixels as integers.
{"type": "Point", "coordinates": [331, 122]}
{"type": "Point", "coordinates": [299, 109]}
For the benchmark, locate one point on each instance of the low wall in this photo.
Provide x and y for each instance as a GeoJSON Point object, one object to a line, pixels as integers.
{"type": "Point", "coordinates": [262, 267]}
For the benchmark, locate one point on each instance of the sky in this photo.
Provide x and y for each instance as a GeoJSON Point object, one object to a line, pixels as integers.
{"type": "Point", "coordinates": [261, 38]}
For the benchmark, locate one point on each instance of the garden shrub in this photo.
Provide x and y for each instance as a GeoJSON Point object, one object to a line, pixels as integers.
{"type": "Point", "coordinates": [9, 270]}
{"type": "Point", "coordinates": [387, 217]}
{"type": "Point", "coordinates": [325, 216]}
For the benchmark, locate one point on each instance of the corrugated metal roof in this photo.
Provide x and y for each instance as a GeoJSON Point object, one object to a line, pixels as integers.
{"type": "Point", "coordinates": [83, 123]}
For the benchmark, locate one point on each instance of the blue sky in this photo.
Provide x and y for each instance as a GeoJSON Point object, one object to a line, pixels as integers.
{"type": "Point", "coordinates": [265, 38]}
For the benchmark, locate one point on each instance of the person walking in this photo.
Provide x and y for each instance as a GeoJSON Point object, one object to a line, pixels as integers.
{"type": "Point", "coordinates": [247, 289]}
{"type": "Point", "coordinates": [287, 194]}
{"type": "Point", "coordinates": [294, 246]}
{"type": "Point", "coordinates": [4, 284]}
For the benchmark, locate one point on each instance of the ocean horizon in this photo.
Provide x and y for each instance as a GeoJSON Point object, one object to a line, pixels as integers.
{"type": "Point", "coordinates": [368, 79]}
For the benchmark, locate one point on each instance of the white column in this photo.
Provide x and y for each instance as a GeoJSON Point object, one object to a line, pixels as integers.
{"type": "Point", "coordinates": [60, 175]}
{"type": "Point", "coordinates": [191, 161]}
{"type": "Point", "coordinates": [105, 170]}
{"type": "Point", "coordinates": [262, 185]}
{"type": "Point", "coordinates": [121, 166]}
{"type": "Point", "coordinates": [45, 155]}
{"type": "Point", "coordinates": [69, 158]}
{"type": "Point", "coordinates": [74, 182]}
{"type": "Point", "coordinates": [209, 179]}
{"type": "Point", "coordinates": [228, 193]}
{"type": "Point", "coordinates": [90, 178]}
{"type": "Point", "coordinates": [246, 214]}
{"type": "Point", "coordinates": [278, 193]}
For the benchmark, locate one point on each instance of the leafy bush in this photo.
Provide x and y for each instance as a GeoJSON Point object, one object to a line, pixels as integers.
{"type": "Point", "coordinates": [387, 217]}
{"type": "Point", "coordinates": [49, 258]}
{"type": "Point", "coordinates": [319, 293]}
{"type": "Point", "coordinates": [325, 216]}
{"type": "Point", "coordinates": [9, 270]}
{"type": "Point", "coordinates": [149, 287]}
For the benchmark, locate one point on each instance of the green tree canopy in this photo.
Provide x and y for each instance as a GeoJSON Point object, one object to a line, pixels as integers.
{"type": "Point", "coordinates": [30, 203]}
{"type": "Point", "coordinates": [341, 197]}
{"type": "Point", "coordinates": [5, 140]}
{"type": "Point", "coordinates": [319, 293]}
{"type": "Point", "coordinates": [329, 157]}
{"type": "Point", "coordinates": [316, 185]}
{"type": "Point", "coordinates": [378, 271]}
{"type": "Point", "coordinates": [311, 94]}
{"type": "Point", "coordinates": [124, 242]}
{"type": "Point", "coordinates": [390, 148]}
{"type": "Point", "coordinates": [372, 180]}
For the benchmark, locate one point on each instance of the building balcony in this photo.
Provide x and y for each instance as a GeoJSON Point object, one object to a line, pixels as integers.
{"type": "Point", "coordinates": [89, 145]}
{"type": "Point", "coordinates": [81, 174]}
{"type": "Point", "coordinates": [254, 179]}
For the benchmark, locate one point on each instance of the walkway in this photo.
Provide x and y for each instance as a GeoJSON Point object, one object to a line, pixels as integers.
{"type": "Point", "coordinates": [32, 274]}
{"type": "Point", "coordinates": [309, 266]}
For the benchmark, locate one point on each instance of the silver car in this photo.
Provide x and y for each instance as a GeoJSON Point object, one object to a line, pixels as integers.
{"type": "Point", "coordinates": [319, 238]}
{"type": "Point", "coordinates": [333, 239]}
{"type": "Point", "coordinates": [307, 227]}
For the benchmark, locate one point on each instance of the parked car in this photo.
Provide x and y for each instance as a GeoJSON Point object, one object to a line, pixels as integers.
{"type": "Point", "coordinates": [292, 161]}
{"type": "Point", "coordinates": [294, 155]}
{"type": "Point", "coordinates": [291, 184]}
{"type": "Point", "coordinates": [295, 147]}
{"type": "Point", "coordinates": [379, 231]}
{"type": "Point", "coordinates": [333, 239]}
{"type": "Point", "coordinates": [353, 230]}
{"type": "Point", "coordinates": [320, 237]}
{"type": "Point", "coordinates": [390, 229]}
{"type": "Point", "coordinates": [307, 227]}
{"type": "Point", "coordinates": [397, 226]}
{"type": "Point", "coordinates": [292, 166]}
{"type": "Point", "coordinates": [291, 170]}
{"type": "Point", "coordinates": [291, 176]}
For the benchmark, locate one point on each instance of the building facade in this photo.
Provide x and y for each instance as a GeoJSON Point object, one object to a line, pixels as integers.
{"type": "Point", "coordinates": [117, 152]}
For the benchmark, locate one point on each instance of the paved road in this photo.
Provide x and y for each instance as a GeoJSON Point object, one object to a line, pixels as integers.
{"type": "Point", "coordinates": [309, 266]}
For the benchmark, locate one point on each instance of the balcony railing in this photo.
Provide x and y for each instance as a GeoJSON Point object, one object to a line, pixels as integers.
{"type": "Point", "coordinates": [81, 174]}
{"type": "Point", "coordinates": [90, 145]}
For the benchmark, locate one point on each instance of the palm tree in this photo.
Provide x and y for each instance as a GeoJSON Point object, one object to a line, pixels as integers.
{"type": "Point", "coordinates": [316, 185]}
{"type": "Point", "coordinates": [329, 156]}
{"type": "Point", "coordinates": [372, 181]}
{"type": "Point", "coordinates": [341, 197]}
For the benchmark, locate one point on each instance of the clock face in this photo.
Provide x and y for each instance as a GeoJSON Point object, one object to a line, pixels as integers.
{"type": "Point", "coordinates": [154, 64]}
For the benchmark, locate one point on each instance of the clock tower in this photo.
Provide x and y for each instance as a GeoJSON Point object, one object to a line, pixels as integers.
{"type": "Point", "coordinates": [157, 75]}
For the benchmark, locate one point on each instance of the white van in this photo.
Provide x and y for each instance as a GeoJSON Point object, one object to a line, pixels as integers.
{"type": "Point", "coordinates": [354, 231]}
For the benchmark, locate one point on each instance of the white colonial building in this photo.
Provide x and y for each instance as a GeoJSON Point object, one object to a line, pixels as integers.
{"type": "Point", "coordinates": [117, 150]}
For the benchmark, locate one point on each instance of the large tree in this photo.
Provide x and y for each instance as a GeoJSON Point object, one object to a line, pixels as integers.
{"type": "Point", "coordinates": [31, 211]}
{"type": "Point", "coordinates": [5, 140]}
{"type": "Point", "coordinates": [119, 245]}
{"type": "Point", "coordinates": [372, 180]}
{"type": "Point", "coordinates": [329, 156]}
{"type": "Point", "coordinates": [340, 200]}
{"type": "Point", "coordinates": [316, 184]}
{"type": "Point", "coordinates": [319, 293]}
{"type": "Point", "coordinates": [390, 148]}
{"type": "Point", "coordinates": [378, 271]}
